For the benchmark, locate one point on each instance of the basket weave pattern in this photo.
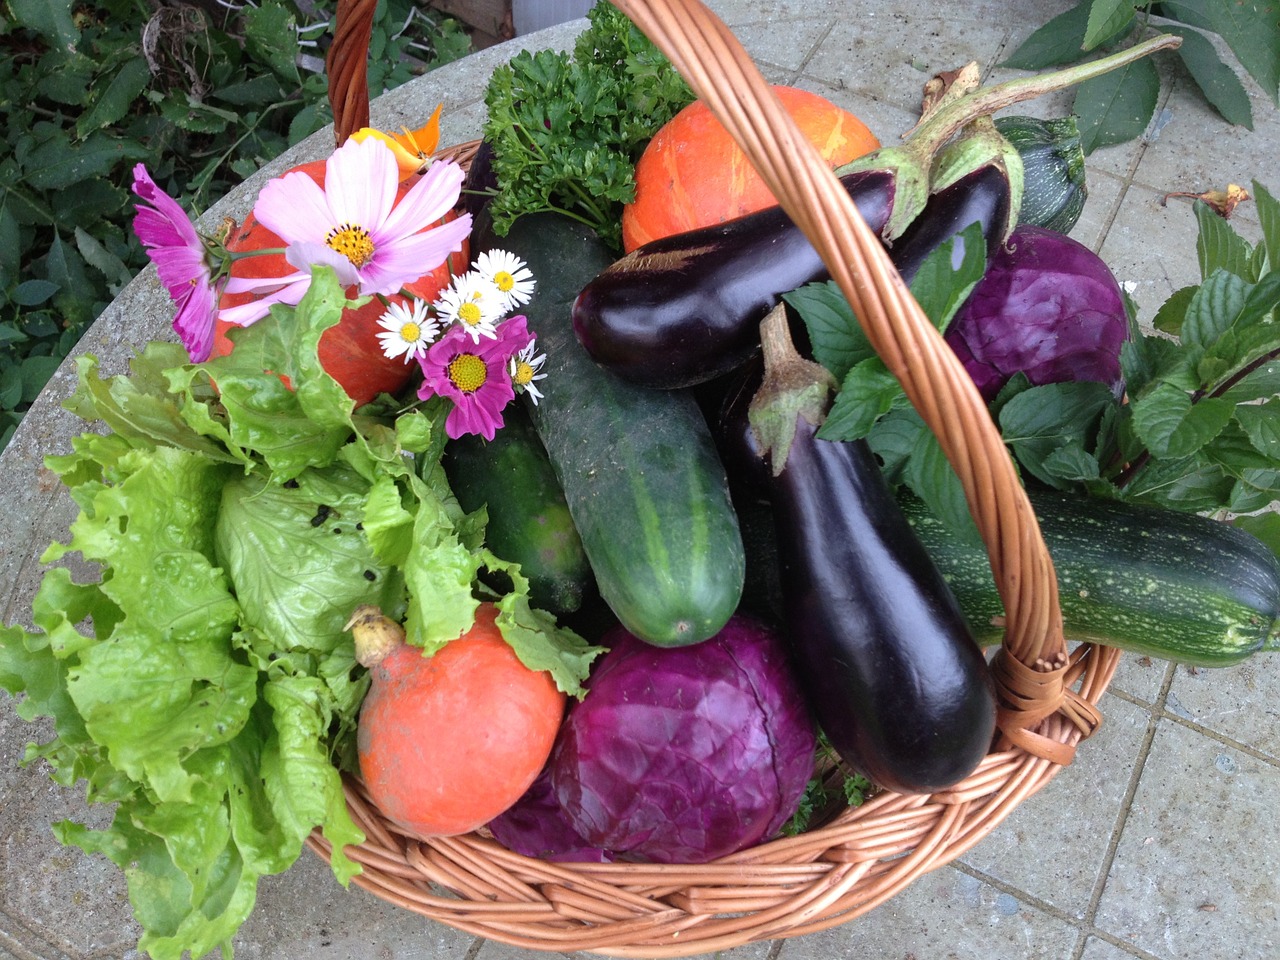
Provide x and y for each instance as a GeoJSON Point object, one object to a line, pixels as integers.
{"type": "Point", "coordinates": [865, 855]}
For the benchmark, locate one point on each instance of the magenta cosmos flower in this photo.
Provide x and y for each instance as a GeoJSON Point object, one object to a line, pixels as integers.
{"type": "Point", "coordinates": [182, 261]}
{"type": "Point", "coordinates": [474, 375]}
{"type": "Point", "coordinates": [355, 225]}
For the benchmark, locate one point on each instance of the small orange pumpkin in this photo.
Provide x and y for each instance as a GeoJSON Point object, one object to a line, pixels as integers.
{"type": "Point", "coordinates": [350, 351]}
{"type": "Point", "coordinates": [692, 174]}
{"type": "Point", "coordinates": [448, 742]}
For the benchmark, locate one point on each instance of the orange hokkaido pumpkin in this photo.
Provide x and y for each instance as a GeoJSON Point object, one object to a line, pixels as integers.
{"type": "Point", "coordinates": [448, 742]}
{"type": "Point", "coordinates": [692, 174]}
{"type": "Point", "coordinates": [350, 351]}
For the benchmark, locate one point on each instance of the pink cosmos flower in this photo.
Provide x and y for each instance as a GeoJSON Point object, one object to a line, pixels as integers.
{"type": "Point", "coordinates": [474, 375]}
{"type": "Point", "coordinates": [182, 262]}
{"type": "Point", "coordinates": [355, 225]}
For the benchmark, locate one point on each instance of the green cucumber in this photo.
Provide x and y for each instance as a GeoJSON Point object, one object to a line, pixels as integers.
{"type": "Point", "coordinates": [638, 466]}
{"type": "Point", "coordinates": [1174, 586]}
{"type": "Point", "coordinates": [529, 521]}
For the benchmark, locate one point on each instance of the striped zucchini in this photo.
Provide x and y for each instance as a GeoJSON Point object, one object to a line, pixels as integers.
{"type": "Point", "coordinates": [1054, 185]}
{"type": "Point", "coordinates": [638, 466]}
{"type": "Point", "coordinates": [1171, 585]}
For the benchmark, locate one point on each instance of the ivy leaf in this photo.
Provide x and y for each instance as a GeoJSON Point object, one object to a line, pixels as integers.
{"type": "Point", "coordinates": [1118, 105]}
{"type": "Point", "coordinates": [1218, 82]}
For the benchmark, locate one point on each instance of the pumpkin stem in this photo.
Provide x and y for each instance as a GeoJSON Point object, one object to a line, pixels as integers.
{"type": "Point", "coordinates": [375, 634]}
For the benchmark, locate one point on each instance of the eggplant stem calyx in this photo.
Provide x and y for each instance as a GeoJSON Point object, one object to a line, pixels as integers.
{"type": "Point", "coordinates": [793, 388]}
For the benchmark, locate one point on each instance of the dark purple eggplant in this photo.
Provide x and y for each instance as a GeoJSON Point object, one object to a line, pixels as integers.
{"type": "Point", "coordinates": [980, 197]}
{"type": "Point", "coordinates": [685, 309]}
{"type": "Point", "coordinates": [891, 670]}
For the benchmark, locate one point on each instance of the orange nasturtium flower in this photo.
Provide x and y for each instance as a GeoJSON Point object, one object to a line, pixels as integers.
{"type": "Point", "coordinates": [413, 148]}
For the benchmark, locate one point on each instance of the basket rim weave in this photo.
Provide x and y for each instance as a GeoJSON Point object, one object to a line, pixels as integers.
{"type": "Point", "coordinates": [864, 855]}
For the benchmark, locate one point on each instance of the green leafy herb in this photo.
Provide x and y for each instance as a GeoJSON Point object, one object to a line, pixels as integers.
{"type": "Point", "coordinates": [567, 129]}
{"type": "Point", "coordinates": [833, 788]}
{"type": "Point", "coordinates": [215, 698]}
{"type": "Point", "coordinates": [1119, 107]}
{"type": "Point", "coordinates": [1196, 431]}
{"type": "Point", "coordinates": [216, 91]}
{"type": "Point", "coordinates": [870, 403]}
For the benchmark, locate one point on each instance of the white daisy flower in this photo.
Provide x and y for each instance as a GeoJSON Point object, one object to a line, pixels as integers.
{"type": "Point", "coordinates": [407, 330]}
{"type": "Point", "coordinates": [474, 302]}
{"type": "Point", "coordinates": [509, 274]}
{"type": "Point", "coordinates": [524, 368]}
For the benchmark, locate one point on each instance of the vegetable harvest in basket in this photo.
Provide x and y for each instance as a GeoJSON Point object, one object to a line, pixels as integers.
{"type": "Point", "coordinates": [314, 568]}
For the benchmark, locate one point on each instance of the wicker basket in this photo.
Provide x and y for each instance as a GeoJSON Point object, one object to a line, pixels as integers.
{"type": "Point", "coordinates": [864, 855]}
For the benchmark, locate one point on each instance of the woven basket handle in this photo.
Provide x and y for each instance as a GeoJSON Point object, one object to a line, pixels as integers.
{"type": "Point", "coordinates": [347, 67]}
{"type": "Point", "coordinates": [1032, 668]}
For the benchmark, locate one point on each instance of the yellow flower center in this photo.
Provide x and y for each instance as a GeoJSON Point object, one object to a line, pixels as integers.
{"type": "Point", "coordinates": [470, 313]}
{"type": "Point", "coordinates": [467, 372]}
{"type": "Point", "coordinates": [410, 332]}
{"type": "Point", "coordinates": [504, 281]}
{"type": "Point", "coordinates": [353, 242]}
{"type": "Point", "coordinates": [523, 375]}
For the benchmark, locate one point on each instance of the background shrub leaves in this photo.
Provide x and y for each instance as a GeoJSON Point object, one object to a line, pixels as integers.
{"type": "Point", "coordinates": [203, 95]}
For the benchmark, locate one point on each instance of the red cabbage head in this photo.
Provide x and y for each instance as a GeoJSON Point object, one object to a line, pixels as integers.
{"type": "Point", "coordinates": [1047, 306]}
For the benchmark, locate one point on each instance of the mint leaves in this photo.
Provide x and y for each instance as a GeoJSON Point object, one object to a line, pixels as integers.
{"type": "Point", "coordinates": [214, 698]}
{"type": "Point", "coordinates": [870, 403]}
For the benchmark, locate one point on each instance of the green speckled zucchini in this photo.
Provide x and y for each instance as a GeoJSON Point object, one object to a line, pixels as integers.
{"type": "Point", "coordinates": [1171, 585]}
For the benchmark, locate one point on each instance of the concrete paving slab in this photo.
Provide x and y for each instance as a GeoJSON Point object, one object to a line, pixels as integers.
{"type": "Point", "coordinates": [1241, 703]}
{"type": "Point", "coordinates": [1195, 869]}
{"type": "Point", "coordinates": [1071, 822]}
{"type": "Point", "coordinates": [946, 914]}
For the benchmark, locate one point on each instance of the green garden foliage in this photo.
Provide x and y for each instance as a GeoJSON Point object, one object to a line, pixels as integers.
{"type": "Point", "coordinates": [202, 92]}
{"type": "Point", "coordinates": [1222, 40]}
